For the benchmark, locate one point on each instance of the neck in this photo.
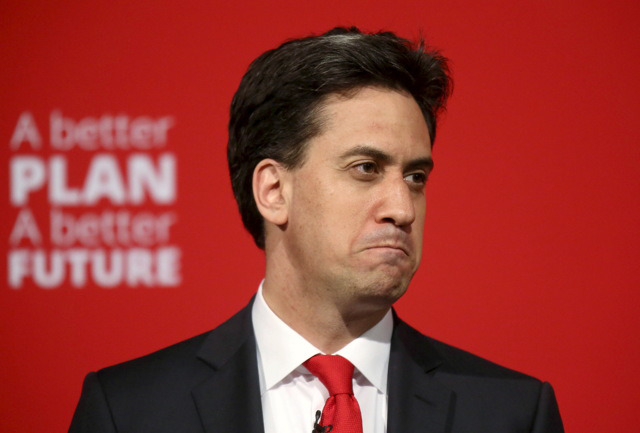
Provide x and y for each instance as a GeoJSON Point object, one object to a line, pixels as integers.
{"type": "Point", "coordinates": [305, 306]}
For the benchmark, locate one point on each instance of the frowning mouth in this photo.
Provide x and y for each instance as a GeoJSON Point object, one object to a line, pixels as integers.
{"type": "Point", "coordinates": [399, 249]}
{"type": "Point", "coordinates": [388, 241]}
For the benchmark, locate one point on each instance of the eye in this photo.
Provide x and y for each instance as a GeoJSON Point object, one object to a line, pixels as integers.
{"type": "Point", "coordinates": [366, 167]}
{"type": "Point", "coordinates": [366, 170]}
{"type": "Point", "coordinates": [418, 179]}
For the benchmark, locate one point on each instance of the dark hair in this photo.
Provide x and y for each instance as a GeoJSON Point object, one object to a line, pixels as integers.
{"type": "Point", "coordinates": [275, 109]}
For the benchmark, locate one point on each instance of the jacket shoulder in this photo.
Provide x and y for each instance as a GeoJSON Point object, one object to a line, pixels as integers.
{"type": "Point", "coordinates": [188, 357]}
{"type": "Point", "coordinates": [480, 394]}
{"type": "Point", "coordinates": [176, 369]}
{"type": "Point", "coordinates": [155, 392]}
{"type": "Point", "coordinates": [159, 363]}
{"type": "Point", "coordinates": [454, 360]}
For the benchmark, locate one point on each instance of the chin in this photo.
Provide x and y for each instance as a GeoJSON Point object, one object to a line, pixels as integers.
{"type": "Point", "coordinates": [385, 289]}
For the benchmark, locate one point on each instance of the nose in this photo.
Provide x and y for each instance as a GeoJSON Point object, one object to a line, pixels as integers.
{"type": "Point", "coordinates": [396, 204]}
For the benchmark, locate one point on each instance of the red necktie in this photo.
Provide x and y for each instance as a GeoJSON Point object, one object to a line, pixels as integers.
{"type": "Point", "coordinates": [341, 410]}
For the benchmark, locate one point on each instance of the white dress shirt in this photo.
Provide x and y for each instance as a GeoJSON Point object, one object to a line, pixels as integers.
{"type": "Point", "coordinates": [291, 395]}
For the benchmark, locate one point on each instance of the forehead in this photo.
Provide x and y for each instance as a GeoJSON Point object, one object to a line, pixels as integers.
{"type": "Point", "coordinates": [375, 117]}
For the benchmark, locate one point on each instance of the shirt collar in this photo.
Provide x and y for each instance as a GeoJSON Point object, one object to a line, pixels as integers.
{"type": "Point", "coordinates": [370, 352]}
{"type": "Point", "coordinates": [281, 349]}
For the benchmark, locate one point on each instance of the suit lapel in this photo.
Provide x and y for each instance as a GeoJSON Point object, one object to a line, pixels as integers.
{"type": "Point", "coordinates": [229, 399]}
{"type": "Point", "coordinates": [417, 401]}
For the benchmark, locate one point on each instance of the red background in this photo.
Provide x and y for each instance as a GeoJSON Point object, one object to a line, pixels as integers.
{"type": "Point", "coordinates": [532, 239]}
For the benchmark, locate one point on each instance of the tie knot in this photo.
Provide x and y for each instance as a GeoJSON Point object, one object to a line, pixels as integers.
{"type": "Point", "coordinates": [334, 371]}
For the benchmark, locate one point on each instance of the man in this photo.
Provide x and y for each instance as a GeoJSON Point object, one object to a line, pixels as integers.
{"type": "Point", "coordinates": [329, 151]}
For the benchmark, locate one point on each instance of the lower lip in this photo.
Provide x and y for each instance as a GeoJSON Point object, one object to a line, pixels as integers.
{"type": "Point", "coordinates": [389, 250]}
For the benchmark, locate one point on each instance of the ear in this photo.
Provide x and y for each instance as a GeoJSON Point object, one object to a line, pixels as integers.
{"type": "Point", "coordinates": [268, 177]}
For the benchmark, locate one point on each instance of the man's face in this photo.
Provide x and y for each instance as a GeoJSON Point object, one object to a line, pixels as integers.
{"type": "Point", "coordinates": [357, 203]}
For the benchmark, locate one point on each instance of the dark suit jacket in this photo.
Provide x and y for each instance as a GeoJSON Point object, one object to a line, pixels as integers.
{"type": "Point", "coordinates": [210, 384]}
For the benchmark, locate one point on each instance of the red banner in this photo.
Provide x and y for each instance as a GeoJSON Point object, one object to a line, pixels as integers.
{"type": "Point", "coordinates": [120, 235]}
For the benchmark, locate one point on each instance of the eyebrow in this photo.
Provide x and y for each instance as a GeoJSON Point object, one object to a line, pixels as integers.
{"type": "Point", "coordinates": [379, 155]}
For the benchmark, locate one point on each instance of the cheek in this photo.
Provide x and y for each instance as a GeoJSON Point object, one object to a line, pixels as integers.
{"type": "Point", "coordinates": [418, 226]}
{"type": "Point", "coordinates": [339, 221]}
{"type": "Point", "coordinates": [313, 215]}
{"type": "Point", "coordinates": [330, 213]}
{"type": "Point", "coordinates": [420, 216]}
